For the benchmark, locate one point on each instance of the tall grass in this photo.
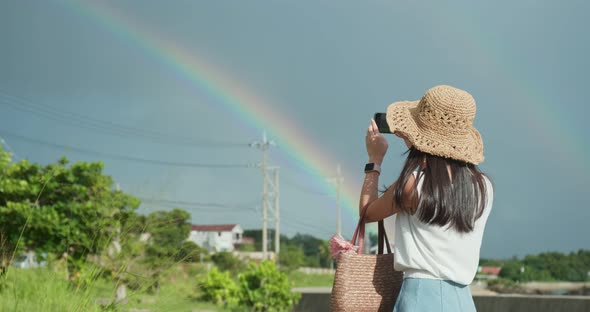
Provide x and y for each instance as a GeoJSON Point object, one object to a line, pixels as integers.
{"type": "Point", "coordinates": [45, 290]}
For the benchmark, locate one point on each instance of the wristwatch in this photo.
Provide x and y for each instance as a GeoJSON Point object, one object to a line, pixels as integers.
{"type": "Point", "coordinates": [370, 167]}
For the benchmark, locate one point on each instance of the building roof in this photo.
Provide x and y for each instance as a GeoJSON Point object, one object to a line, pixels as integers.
{"type": "Point", "coordinates": [490, 270]}
{"type": "Point", "coordinates": [213, 227]}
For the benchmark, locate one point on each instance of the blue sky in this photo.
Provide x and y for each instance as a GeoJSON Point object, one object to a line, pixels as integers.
{"type": "Point", "coordinates": [67, 80]}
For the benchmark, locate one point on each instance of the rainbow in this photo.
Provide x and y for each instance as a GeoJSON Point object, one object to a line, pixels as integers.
{"type": "Point", "coordinates": [235, 97]}
{"type": "Point", "coordinates": [540, 116]}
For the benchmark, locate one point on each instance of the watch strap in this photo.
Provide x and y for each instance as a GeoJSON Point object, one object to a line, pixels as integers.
{"type": "Point", "coordinates": [372, 167]}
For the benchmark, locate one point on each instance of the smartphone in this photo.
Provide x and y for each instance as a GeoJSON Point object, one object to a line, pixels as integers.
{"type": "Point", "coordinates": [381, 121]}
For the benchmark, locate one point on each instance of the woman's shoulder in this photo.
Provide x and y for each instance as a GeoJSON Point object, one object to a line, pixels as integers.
{"type": "Point", "coordinates": [489, 185]}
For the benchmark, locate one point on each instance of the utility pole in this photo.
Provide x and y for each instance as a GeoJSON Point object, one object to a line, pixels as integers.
{"type": "Point", "coordinates": [338, 206]}
{"type": "Point", "coordinates": [338, 181]}
{"type": "Point", "coordinates": [273, 202]}
{"type": "Point", "coordinates": [277, 213]}
{"type": "Point", "coordinates": [264, 145]}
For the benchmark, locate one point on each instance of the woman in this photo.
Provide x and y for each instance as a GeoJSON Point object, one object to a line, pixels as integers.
{"type": "Point", "coordinates": [441, 199]}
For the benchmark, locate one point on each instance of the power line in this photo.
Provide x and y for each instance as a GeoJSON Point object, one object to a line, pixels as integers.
{"type": "Point", "coordinates": [300, 220]}
{"type": "Point", "coordinates": [197, 204]}
{"type": "Point", "coordinates": [198, 209]}
{"type": "Point", "coordinates": [307, 227]}
{"type": "Point", "coordinates": [123, 157]}
{"type": "Point", "coordinates": [289, 217]}
{"type": "Point", "coordinates": [301, 188]}
{"type": "Point", "coordinates": [108, 127]}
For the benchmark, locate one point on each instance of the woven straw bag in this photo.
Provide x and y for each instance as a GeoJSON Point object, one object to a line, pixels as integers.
{"type": "Point", "coordinates": [365, 282]}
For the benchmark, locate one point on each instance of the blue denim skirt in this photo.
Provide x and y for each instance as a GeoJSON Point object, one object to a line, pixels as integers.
{"type": "Point", "coordinates": [429, 295]}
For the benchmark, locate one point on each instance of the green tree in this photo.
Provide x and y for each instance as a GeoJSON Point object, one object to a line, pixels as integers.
{"type": "Point", "coordinates": [316, 252]}
{"type": "Point", "coordinates": [59, 209]}
{"type": "Point", "coordinates": [291, 257]}
{"type": "Point", "coordinates": [548, 266]}
{"type": "Point", "coordinates": [168, 230]}
{"type": "Point", "coordinates": [190, 252]}
{"type": "Point", "coordinates": [512, 270]}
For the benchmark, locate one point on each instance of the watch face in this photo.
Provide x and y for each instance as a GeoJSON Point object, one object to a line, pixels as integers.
{"type": "Point", "coordinates": [369, 167]}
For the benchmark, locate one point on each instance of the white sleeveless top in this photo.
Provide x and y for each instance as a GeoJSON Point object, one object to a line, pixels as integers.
{"type": "Point", "coordinates": [435, 252]}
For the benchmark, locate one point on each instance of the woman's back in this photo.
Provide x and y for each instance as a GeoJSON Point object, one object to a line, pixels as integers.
{"type": "Point", "coordinates": [425, 250]}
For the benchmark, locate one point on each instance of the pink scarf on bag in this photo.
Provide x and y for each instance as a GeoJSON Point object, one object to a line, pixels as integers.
{"type": "Point", "coordinates": [338, 244]}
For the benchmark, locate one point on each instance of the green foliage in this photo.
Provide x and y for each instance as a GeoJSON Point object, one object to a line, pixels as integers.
{"type": "Point", "coordinates": [190, 252]}
{"type": "Point", "coordinates": [58, 208]}
{"type": "Point", "coordinates": [43, 290]}
{"type": "Point", "coordinates": [316, 252]}
{"type": "Point", "coordinates": [264, 288]}
{"type": "Point", "coordinates": [225, 261]}
{"type": "Point", "coordinates": [86, 275]}
{"type": "Point", "coordinates": [550, 266]}
{"type": "Point", "coordinates": [291, 257]}
{"type": "Point", "coordinates": [219, 288]}
{"type": "Point", "coordinates": [168, 230]}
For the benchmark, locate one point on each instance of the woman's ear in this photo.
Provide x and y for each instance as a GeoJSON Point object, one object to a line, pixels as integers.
{"type": "Point", "coordinates": [408, 144]}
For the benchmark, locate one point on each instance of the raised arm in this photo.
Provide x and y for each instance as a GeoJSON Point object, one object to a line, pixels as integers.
{"type": "Point", "coordinates": [384, 206]}
{"type": "Point", "coordinates": [376, 146]}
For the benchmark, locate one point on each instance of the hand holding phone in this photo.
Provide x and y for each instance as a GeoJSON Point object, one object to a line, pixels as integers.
{"type": "Point", "coordinates": [381, 121]}
{"type": "Point", "coordinates": [376, 144]}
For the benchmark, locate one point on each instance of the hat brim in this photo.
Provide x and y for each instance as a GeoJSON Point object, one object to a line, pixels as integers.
{"type": "Point", "coordinates": [401, 118]}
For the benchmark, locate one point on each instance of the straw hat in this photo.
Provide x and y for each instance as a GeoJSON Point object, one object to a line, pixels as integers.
{"type": "Point", "coordinates": [441, 123]}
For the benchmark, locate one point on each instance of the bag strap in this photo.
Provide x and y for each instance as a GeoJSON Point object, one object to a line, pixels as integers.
{"type": "Point", "coordinates": [359, 233]}
{"type": "Point", "coordinates": [381, 237]}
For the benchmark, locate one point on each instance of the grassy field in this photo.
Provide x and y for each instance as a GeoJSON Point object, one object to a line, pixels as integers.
{"type": "Point", "coordinates": [46, 290]}
{"type": "Point", "coordinates": [311, 280]}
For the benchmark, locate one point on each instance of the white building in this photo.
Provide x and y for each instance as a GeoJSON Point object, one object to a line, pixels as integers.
{"type": "Point", "coordinates": [216, 237]}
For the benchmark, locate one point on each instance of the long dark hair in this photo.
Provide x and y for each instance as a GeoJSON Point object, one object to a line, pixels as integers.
{"type": "Point", "coordinates": [456, 200]}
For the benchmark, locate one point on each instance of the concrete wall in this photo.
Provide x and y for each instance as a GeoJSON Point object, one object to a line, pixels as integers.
{"type": "Point", "coordinates": [313, 300]}
{"type": "Point", "coordinates": [522, 303]}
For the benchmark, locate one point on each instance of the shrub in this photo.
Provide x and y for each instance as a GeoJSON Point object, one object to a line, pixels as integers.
{"type": "Point", "coordinates": [264, 288]}
{"type": "Point", "coordinates": [219, 288]}
{"type": "Point", "coordinates": [225, 261]}
{"type": "Point", "coordinates": [190, 252]}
